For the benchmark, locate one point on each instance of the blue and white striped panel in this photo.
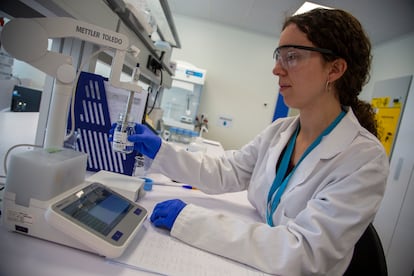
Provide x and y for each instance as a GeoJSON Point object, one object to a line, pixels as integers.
{"type": "Point", "coordinates": [93, 125]}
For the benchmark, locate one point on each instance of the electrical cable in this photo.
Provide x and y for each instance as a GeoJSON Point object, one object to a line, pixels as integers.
{"type": "Point", "coordinates": [156, 94]}
{"type": "Point", "coordinates": [74, 89]}
{"type": "Point", "coordinates": [2, 184]}
{"type": "Point", "coordinates": [155, 100]}
{"type": "Point", "coordinates": [72, 105]}
{"type": "Point", "coordinates": [18, 79]}
{"type": "Point", "coordinates": [12, 148]}
{"type": "Point", "coordinates": [72, 108]}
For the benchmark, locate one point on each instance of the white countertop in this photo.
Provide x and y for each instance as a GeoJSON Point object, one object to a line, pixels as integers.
{"type": "Point", "coordinates": [25, 255]}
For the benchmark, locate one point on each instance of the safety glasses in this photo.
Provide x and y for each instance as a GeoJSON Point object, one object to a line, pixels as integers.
{"type": "Point", "coordinates": [294, 56]}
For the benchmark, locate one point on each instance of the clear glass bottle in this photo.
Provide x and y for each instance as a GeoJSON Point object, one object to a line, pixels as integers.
{"type": "Point", "coordinates": [180, 134]}
{"type": "Point", "coordinates": [123, 129]}
{"type": "Point", "coordinates": [139, 168]}
{"type": "Point", "coordinates": [194, 135]}
{"type": "Point", "coordinates": [186, 139]}
{"type": "Point", "coordinates": [142, 165]}
{"type": "Point", "coordinates": [173, 134]}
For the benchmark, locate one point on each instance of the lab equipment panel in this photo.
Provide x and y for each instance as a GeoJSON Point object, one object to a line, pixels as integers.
{"type": "Point", "coordinates": [98, 217]}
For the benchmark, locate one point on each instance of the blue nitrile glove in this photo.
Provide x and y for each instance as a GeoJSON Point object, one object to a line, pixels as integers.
{"type": "Point", "coordinates": [166, 212]}
{"type": "Point", "coordinates": [145, 141]}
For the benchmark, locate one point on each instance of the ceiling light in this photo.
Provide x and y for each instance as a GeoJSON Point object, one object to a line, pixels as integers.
{"type": "Point", "coordinates": [307, 6]}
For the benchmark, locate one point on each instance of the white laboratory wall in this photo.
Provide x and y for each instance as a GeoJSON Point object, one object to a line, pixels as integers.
{"type": "Point", "coordinates": [29, 75]}
{"type": "Point", "coordinates": [239, 81]}
{"type": "Point", "coordinates": [391, 59]}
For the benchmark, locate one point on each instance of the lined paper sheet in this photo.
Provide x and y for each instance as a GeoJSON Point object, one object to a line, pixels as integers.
{"type": "Point", "coordinates": [154, 250]}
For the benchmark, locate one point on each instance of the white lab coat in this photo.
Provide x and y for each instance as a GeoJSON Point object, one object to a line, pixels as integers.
{"type": "Point", "coordinates": [330, 200]}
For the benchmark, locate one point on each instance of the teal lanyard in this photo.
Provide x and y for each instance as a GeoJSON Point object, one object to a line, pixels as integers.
{"type": "Point", "coordinates": [280, 182]}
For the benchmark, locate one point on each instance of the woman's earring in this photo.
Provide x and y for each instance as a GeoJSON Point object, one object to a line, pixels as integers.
{"type": "Point", "coordinates": [327, 87]}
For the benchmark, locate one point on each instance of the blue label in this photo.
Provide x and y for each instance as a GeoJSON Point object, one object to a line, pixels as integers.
{"type": "Point", "coordinates": [138, 211]}
{"type": "Point", "coordinates": [194, 73]}
{"type": "Point", "coordinates": [117, 235]}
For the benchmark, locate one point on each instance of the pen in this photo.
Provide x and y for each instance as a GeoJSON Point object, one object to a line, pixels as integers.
{"type": "Point", "coordinates": [173, 185]}
{"type": "Point", "coordinates": [189, 187]}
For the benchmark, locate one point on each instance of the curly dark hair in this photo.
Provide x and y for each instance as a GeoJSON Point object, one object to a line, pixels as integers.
{"type": "Point", "coordinates": [342, 33]}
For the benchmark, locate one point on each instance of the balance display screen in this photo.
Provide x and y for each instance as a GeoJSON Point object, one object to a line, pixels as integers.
{"type": "Point", "coordinates": [99, 209]}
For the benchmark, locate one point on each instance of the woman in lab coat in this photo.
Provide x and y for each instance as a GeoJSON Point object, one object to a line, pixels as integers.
{"type": "Point", "coordinates": [316, 179]}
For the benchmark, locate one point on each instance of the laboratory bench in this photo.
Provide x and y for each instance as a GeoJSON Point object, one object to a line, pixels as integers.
{"type": "Point", "coordinates": [26, 255]}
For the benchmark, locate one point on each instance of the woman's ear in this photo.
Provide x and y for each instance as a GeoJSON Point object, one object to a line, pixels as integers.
{"type": "Point", "coordinates": [338, 68]}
